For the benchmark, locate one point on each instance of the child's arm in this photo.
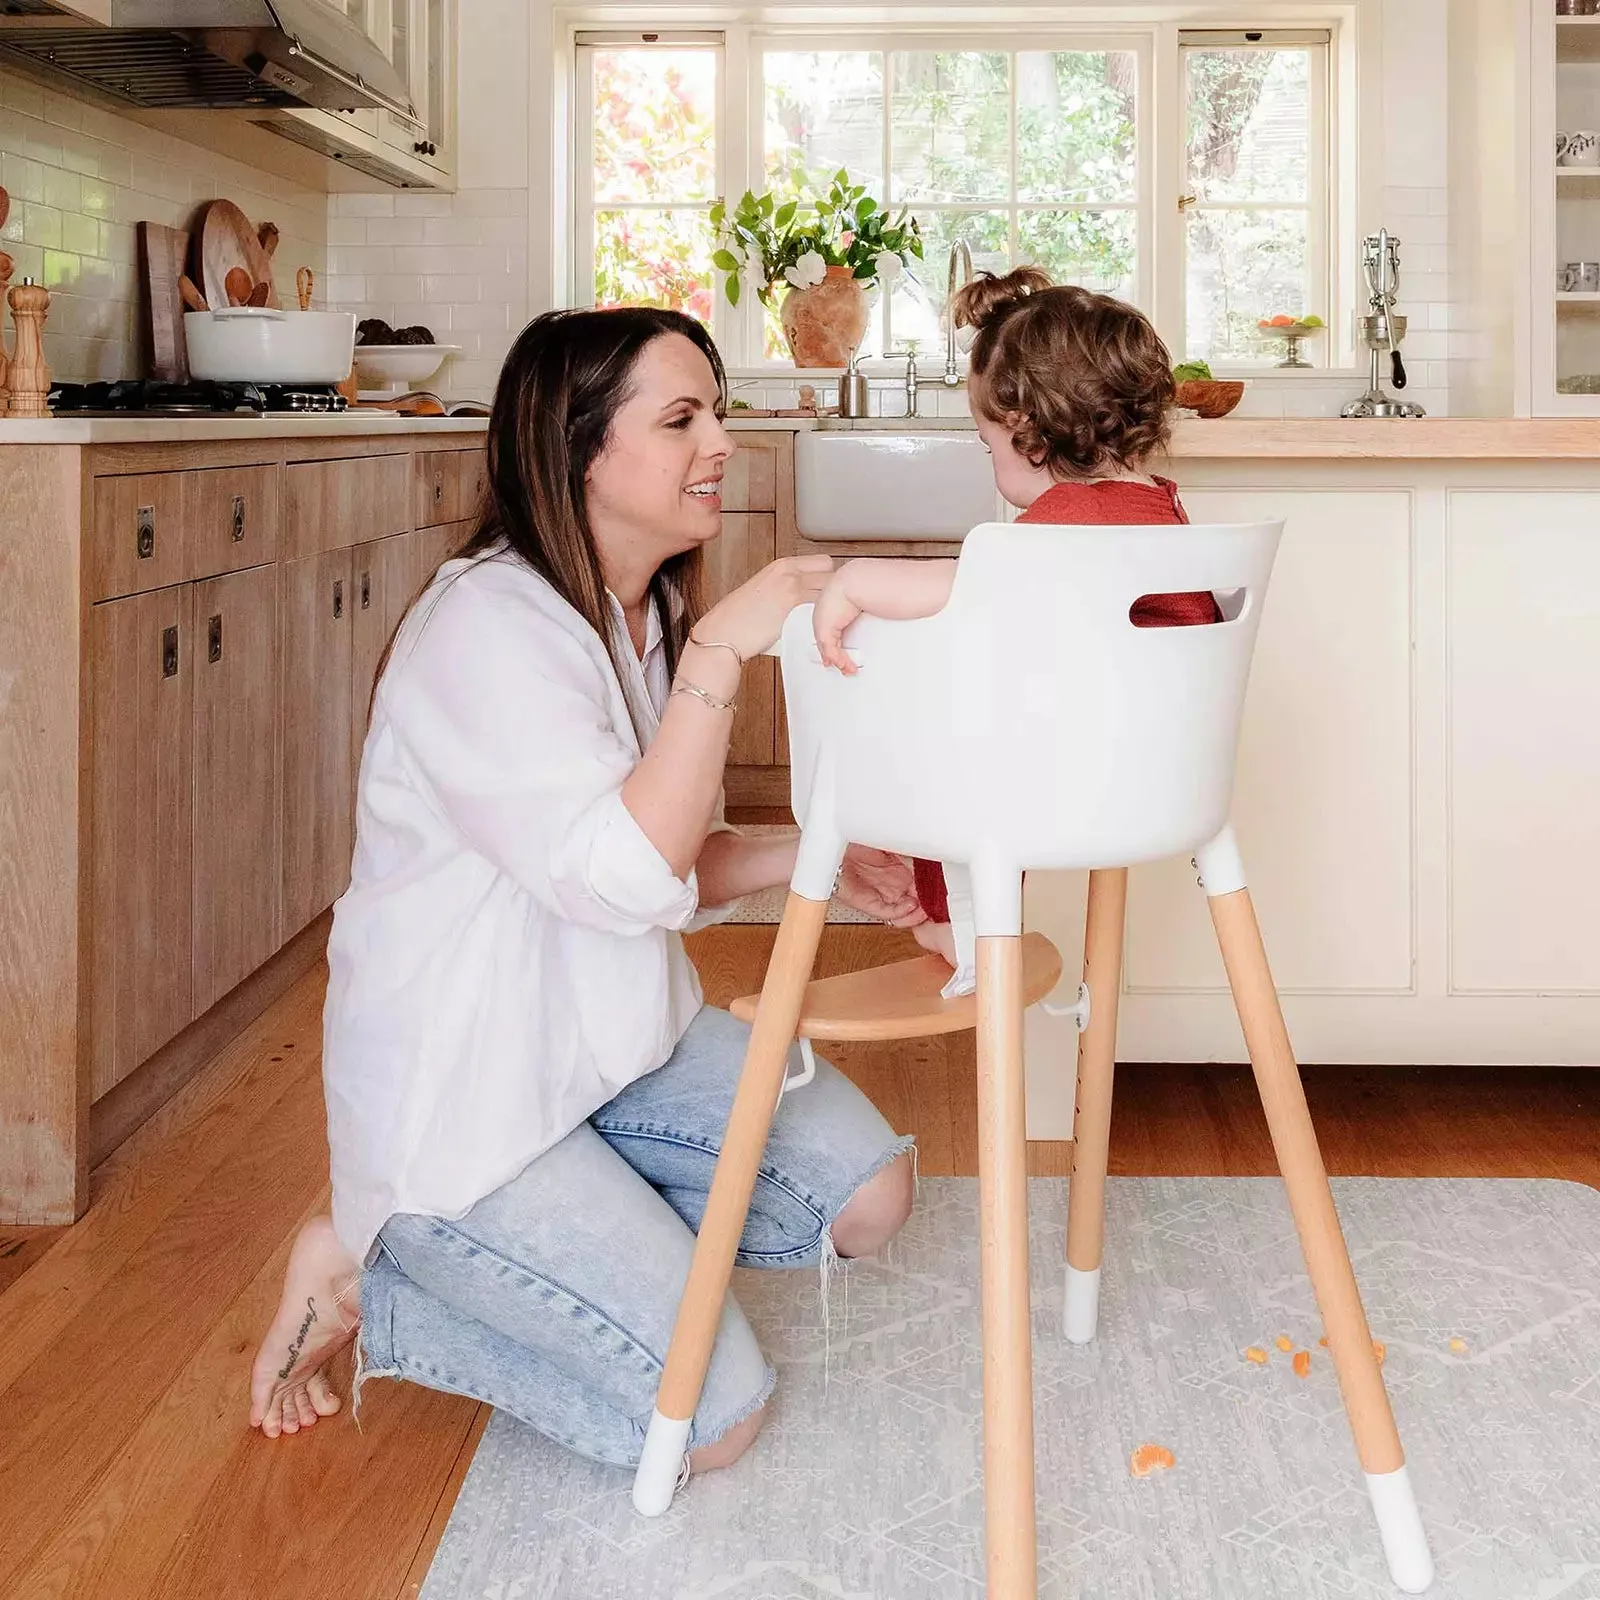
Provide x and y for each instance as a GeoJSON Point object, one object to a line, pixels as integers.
{"type": "Point", "coordinates": [900, 589]}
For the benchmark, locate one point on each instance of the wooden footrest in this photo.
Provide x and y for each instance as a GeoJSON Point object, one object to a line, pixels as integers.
{"type": "Point", "coordinates": [902, 1000]}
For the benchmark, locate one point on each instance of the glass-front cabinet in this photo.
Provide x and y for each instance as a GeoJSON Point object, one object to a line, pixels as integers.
{"type": "Point", "coordinates": [418, 38]}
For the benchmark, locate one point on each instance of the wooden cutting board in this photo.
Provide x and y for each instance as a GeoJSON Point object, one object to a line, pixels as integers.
{"type": "Point", "coordinates": [225, 239]}
{"type": "Point", "coordinates": [162, 252]}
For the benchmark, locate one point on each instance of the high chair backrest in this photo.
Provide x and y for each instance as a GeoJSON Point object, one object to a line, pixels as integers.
{"type": "Point", "coordinates": [1030, 723]}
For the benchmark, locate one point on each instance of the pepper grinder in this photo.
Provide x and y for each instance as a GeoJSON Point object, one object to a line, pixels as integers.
{"type": "Point", "coordinates": [30, 376]}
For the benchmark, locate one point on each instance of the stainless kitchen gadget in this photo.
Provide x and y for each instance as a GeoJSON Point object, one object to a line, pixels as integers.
{"type": "Point", "coordinates": [1382, 330]}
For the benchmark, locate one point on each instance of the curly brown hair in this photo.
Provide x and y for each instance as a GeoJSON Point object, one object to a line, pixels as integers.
{"type": "Point", "coordinates": [1082, 379]}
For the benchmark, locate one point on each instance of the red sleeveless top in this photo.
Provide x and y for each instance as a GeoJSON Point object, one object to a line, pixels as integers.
{"type": "Point", "coordinates": [1111, 503]}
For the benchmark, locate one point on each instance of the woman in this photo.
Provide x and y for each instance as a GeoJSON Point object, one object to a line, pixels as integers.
{"type": "Point", "coordinates": [525, 1093]}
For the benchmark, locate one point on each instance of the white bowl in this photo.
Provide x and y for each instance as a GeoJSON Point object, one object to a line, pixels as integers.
{"type": "Point", "coordinates": [383, 365]}
{"type": "Point", "coordinates": [254, 344]}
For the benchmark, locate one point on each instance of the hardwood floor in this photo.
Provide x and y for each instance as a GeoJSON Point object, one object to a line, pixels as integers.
{"type": "Point", "coordinates": [126, 1467]}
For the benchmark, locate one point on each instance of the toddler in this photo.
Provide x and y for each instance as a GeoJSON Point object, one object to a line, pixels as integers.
{"type": "Point", "coordinates": [1070, 391]}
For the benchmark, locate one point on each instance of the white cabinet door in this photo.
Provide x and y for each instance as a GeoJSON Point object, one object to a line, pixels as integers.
{"type": "Point", "coordinates": [1323, 797]}
{"type": "Point", "coordinates": [1523, 584]}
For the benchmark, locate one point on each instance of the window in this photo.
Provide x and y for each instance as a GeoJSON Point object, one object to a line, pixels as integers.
{"type": "Point", "coordinates": [1254, 200]}
{"type": "Point", "coordinates": [1029, 148]}
{"type": "Point", "coordinates": [648, 127]}
{"type": "Point", "coordinates": [1024, 155]}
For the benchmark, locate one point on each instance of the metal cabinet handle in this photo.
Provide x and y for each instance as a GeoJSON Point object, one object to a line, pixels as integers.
{"type": "Point", "coordinates": [338, 597]}
{"type": "Point", "coordinates": [366, 591]}
{"type": "Point", "coordinates": [169, 652]}
{"type": "Point", "coordinates": [214, 638]}
{"type": "Point", "coordinates": [438, 491]}
{"type": "Point", "coordinates": [238, 518]}
{"type": "Point", "coordinates": [144, 535]}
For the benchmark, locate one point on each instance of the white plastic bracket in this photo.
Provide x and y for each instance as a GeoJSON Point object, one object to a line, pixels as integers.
{"type": "Point", "coordinates": [808, 1069]}
{"type": "Point", "coordinates": [1079, 1013]}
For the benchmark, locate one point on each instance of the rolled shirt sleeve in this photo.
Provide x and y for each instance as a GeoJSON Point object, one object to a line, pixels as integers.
{"type": "Point", "coordinates": [511, 719]}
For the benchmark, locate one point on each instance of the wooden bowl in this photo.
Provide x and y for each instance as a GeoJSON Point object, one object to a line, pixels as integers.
{"type": "Point", "coordinates": [1211, 398]}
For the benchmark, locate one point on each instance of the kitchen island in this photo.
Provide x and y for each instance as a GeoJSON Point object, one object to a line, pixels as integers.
{"type": "Point", "coordinates": [191, 613]}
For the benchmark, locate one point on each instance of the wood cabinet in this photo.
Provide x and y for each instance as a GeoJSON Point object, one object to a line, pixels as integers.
{"type": "Point", "coordinates": [236, 849]}
{"type": "Point", "coordinates": [141, 660]}
{"type": "Point", "coordinates": [317, 624]}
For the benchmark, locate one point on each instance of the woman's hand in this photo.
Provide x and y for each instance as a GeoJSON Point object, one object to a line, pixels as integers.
{"type": "Point", "coordinates": [880, 885]}
{"type": "Point", "coordinates": [752, 617]}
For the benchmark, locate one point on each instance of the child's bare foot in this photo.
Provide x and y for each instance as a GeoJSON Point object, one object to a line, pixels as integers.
{"type": "Point", "coordinates": [317, 1317]}
{"type": "Point", "coordinates": [939, 937]}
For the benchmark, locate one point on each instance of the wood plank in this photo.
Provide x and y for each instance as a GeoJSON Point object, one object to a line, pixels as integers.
{"type": "Point", "coordinates": [437, 492]}
{"type": "Point", "coordinates": [141, 663]}
{"type": "Point", "coordinates": [147, 1093]}
{"type": "Point", "coordinates": [428, 1545]}
{"type": "Point", "coordinates": [236, 852]}
{"type": "Point", "coordinates": [43, 1111]}
{"type": "Point", "coordinates": [68, 1434]}
{"type": "Point", "coordinates": [329, 505]}
{"type": "Point", "coordinates": [163, 255]}
{"type": "Point", "coordinates": [750, 476]}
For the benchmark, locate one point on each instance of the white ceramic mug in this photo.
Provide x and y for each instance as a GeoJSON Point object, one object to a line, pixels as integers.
{"type": "Point", "coordinates": [1562, 141]}
{"type": "Point", "coordinates": [1583, 149]}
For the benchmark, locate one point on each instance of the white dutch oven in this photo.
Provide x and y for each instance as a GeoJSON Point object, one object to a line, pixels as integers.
{"type": "Point", "coordinates": [250, 344]}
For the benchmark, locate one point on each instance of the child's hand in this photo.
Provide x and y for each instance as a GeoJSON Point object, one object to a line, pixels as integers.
{"type": "Point", "coordinates": [833, 612]}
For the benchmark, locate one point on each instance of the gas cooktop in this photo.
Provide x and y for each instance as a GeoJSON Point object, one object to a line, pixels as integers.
{"type": "Point", "coordinates": [149, 398]}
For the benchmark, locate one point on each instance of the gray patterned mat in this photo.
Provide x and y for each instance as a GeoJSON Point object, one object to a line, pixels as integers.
{"type": "Point", "coordinates": [866, 1484]}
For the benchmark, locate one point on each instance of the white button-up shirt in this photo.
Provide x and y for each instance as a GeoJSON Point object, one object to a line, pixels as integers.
{"type": "Point", "coordinates": [504, 960]}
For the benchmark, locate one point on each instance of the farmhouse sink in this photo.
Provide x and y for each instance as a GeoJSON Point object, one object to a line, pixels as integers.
{"type": "Point", "coordinates": [928, 484]}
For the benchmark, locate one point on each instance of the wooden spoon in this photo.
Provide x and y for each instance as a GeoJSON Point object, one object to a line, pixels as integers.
{"type": "Point", "coordinates": [267, 233]}
{"type": "Point", "coordinates": [237, 283]}
{"type": "Point", "coordinates": [258, 295]}
{"type": "Point", "coordinates": [303, 281]}
{"type": "Point", "coordinates": [191, 294]}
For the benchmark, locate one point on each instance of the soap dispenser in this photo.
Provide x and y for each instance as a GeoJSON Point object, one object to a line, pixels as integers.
{"type": "Point", "coordinates": [853, 392]}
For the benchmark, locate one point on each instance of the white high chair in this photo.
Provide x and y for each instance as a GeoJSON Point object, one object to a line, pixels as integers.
{"type": "Point", "coordinates": [1031, 725]}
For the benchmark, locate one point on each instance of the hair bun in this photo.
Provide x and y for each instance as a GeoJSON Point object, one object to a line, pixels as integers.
{"type": "Point", "coordinates": [987, 298]}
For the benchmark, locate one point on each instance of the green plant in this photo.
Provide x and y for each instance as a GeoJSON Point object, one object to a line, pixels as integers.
{"type": "Point", "coordinates": [775, 243]}
{"type": "Point", "coordinates": [1191, 372]}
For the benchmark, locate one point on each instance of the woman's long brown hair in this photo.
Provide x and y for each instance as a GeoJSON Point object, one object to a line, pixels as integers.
{"type": "Point", "coordinates": [565, 379]}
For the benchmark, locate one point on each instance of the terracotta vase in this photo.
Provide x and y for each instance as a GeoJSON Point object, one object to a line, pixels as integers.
{"type": "Point", "coordinates": [825, 323]}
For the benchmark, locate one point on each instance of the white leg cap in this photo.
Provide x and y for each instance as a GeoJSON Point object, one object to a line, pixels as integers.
{"type": "Point", "coordinates": [656, 1481]}
{"type": "Point", "coordinates": [1400, 1525]}
{"type": "Point", "coordinates": [1083, 1305]}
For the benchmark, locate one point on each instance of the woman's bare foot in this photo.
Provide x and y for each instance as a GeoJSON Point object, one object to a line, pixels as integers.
{"type": "Point", "coordinates": [316, 1318]}
{"type": "Point", "coordinates": [939, 937]}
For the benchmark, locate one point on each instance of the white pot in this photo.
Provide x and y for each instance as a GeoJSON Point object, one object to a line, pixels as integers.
{"type": "Point", "coordinates": [250, 344]}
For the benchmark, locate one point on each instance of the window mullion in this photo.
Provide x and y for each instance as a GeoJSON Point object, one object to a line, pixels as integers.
{"type": "Point", "coordinates": [738, 128]}
{"type": "Point", "coordinates": [886, 78]}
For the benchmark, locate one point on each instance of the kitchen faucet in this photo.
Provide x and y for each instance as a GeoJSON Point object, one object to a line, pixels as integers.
{"type": "Point", "coordinates": [952, 377]}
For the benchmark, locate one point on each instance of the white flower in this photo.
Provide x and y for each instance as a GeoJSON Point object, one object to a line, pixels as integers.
{"type": "Point", "coordinates": [887, 265]}
{"type": "Point", "coordinates": [808, 271]}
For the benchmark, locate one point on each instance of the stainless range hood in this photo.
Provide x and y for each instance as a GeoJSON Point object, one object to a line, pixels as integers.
{"type": "Point", "coordinates": [234, 54]}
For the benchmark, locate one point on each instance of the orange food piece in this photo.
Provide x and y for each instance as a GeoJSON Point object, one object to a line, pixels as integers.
{"type": "Point", "coordinates": [1150, 1458]}
{"type": "Point", "coordinates": [1323, 1341]}
{"type": "Point", "coordinates": [1285, 1343]}
{"type": "Point", "coordinates": [1458, 1347]}
{"type": "Point", "coordinates": [1256, 1354]}
{"type": "Point", "coordinates": [1302, 1363]}
{"type": "Point", "coordinates": [1380, 1350]}
{"type": "Point", "coordinates": [1282, 321]}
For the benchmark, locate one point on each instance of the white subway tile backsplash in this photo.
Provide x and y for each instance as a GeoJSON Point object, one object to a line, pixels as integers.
{"type": "Point", "coordinates": [79, 177]}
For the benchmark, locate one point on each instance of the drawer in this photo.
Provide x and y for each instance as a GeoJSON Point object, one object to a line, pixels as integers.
{"type": "Point", "coordinates": [438, 487]}
{"type": "Point", "coordinates": [329, 505]}
{"type": "Point", "coordinates": [474, 469]}
{"type": "Point", "coordinates": [750, 477]}
{"type": "Point", "coordinates": [232, 515]}
{"type": "Point", "coordinates": [140, 539]}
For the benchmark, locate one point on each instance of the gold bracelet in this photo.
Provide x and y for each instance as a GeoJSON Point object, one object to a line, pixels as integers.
{"type": "Point", "coordinates": [718, 644]}
{"type": "Point", "coordinates": [701, 694]}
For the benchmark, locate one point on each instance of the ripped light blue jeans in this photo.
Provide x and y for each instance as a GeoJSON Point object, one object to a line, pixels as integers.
{"type": "Point", "coordinates": [554, 1297]}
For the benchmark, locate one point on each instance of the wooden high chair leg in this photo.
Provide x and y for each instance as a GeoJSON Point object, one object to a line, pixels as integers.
{"type": "Point", "coordinates": [717, 1244]}
{"type": "Point", "coordinates": [1091, 1121]}
{"type": "Point", "coordinates": [1009, 1537]}
{"type": "Point", "coordinates": [1321, 1239]}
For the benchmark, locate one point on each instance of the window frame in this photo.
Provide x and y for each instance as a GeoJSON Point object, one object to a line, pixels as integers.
{"type": "Point", "coordinates": [1348, 149]}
